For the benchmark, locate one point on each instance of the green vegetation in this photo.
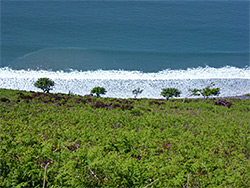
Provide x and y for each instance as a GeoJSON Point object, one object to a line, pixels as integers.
{"type": "Point", "coordinates": [98, 91]}
{"type": "Point", "coordinates": [137, 91]}
{"type": "Point", "coordinates": [72, 141]}
{"type": "Point", "coordinates": [170, 92]}
{"type": "Point", "coordinates": [206, 92]}
{"type": "Point", "coordinates": [45, 84]}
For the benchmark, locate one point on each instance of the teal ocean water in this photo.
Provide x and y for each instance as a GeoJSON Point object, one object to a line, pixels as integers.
{"type": "Point", "coordinates": [125, 44]}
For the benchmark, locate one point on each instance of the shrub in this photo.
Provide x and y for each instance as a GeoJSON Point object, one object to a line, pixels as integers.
{"type": "Point", "coordinates": [206, 92]}
{"type": "Point", "coordinates": [170, 92]}
{"type": "Point", "coordinates": [98, 91]}
{"type": "Point", "coordinates": [79, 100]}
{"type": "Point", "coordinates": [4, 99]}
{"type": "Point", "coordinates": [70, 93]}
{"type": "Point", "coordinates": [45, 84]}
{"type": "Point", "coordinates": [137, 92]}
{"type": "Point", "coordinates": [223, 103]}
{"type": "Point", "coordinates": [127, 107]}
{"type": "Point", "coordinates": [99, 104]}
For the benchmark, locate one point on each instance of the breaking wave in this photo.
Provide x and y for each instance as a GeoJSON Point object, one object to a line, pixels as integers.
{"type": "Point", "coordinates": [233, 81]}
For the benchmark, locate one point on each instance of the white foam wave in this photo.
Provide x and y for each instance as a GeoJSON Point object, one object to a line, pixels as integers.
{"type": "Point", "coordinates": [191, 73]}
{"type": "Point", "coordinates": [119, 83]}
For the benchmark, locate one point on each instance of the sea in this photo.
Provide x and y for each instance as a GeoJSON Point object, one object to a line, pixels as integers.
{"type": "Point", "coordinates": [124, 45]}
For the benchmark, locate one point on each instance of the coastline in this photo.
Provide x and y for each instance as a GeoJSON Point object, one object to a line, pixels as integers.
{"type": "Point", "coordinates": [242, 97]}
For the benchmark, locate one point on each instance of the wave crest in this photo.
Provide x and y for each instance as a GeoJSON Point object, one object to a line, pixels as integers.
{"type": "Point", "coordinates": [190, 73]}
{"type": "Point", "coordinates": [233, 81]}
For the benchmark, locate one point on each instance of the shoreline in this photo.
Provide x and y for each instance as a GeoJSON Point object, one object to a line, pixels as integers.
{"type": "Point", "coordinates": [242, 97]}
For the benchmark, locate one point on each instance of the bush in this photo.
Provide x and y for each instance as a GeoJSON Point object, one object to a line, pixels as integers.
{"type": "Point", "coordinates": [98, 91]}
{"type": "Point", "coordinates": [45, 84]}
{"type": "Point", "coordinates": [223, 103]}
{"type": "Point", "coordinates": [206, 92]}
{"type": "Point", "coordinates": [170, 92]}
{"type": "Point", "coordinates": [137, 92]}
{"type": "Point", "coordinates": [4, 99]}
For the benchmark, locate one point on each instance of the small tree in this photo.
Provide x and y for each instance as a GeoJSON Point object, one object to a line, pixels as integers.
{"type": "Point", "coordinates": [45, 84]}
{"type": "Point", "coordinates": [170, 92]}
{"type": "Point", "coordinates": [206, 92]}
{"type": "Point", "coordinates": [137, 92]}
{"type": "Point", "coordinates": [98, 91]}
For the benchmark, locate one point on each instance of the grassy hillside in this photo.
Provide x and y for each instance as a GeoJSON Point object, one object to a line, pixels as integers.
{"type": "Point", "coordinates": [74, 141]}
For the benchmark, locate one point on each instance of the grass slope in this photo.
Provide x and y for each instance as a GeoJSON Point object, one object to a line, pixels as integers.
{"type": "Point", "coordinates": [80, 141]}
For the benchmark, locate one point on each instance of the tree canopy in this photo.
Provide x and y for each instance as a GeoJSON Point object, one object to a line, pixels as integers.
{"type": "Point", "coordinates": [45, 84]}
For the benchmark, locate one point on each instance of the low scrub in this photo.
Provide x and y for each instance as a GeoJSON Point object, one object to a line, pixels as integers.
{"type": "Point", "coordinates": [206, 92]}
{"type": "Point", "coordinates": [57, 140]}
{"type": "Point", "coordinates": [170, 92]}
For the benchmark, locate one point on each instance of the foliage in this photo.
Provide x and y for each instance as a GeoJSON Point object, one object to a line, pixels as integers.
{"type": "Point", "coordinates": [170, 92]}
{"type": "Point", "coordinates": [206, 92]}
{"type": "Point", "coordinates": [98, 91]}
{"type": "Point", "coordinates": [109, 142]}
{"type": "Point", "coordinates": [223, 103]}
{"type": "Point", "coordinates": [4, 99]}
{"type": "Point", "coordinates": [136, 92]}
{"type": "Point", "coordinates": [45, 84]}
